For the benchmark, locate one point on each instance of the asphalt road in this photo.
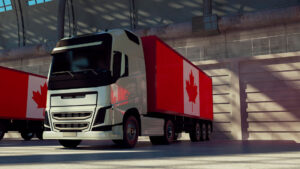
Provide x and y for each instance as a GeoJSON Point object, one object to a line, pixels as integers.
{"type": "Point", "coordinates": [15, 153]}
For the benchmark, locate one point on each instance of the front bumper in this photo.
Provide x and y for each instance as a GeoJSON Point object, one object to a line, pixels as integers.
{"type": "Point", "coordinates": [115, 134]}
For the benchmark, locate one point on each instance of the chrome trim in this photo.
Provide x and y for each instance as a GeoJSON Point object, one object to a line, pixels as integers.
{"type": "Point", "coordinates": [71, 126]}
{"type": "Point", "coordinates": [82, 115]}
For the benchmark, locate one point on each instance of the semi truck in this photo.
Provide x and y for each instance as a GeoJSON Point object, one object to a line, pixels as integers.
{"type": "Point", "coordinates": [114, 85]}
{"type": "Point", "coordinates": [22, 103]}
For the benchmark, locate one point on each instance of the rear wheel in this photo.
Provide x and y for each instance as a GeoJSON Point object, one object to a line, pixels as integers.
{"type": "Point", "coordinates": [130, 132]}
{"type": "Point", "coordinates": [69, 143]}
{"type": "Point", "coordinates": [195, 134]}
{"type": "Point", "coordinates": [27, 135]}
{"type": "Point", "coordinates": [208, 132]}
{"type": "Point", "coordinates": [2, 131]}
{"type": "Point", "coordinates": [203, 132]}
{"type": "Point", "coordinates": [168, 137]}
{"type": "Point", "coordinates": [1, 134]}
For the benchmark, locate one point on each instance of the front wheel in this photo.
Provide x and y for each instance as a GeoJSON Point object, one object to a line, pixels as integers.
{"type": "Point", "coordinates": [130, 132]}
{"type": "Point", "coordinates": [69, 143]}
{"type": "Point", "coordinates": [27, 135]}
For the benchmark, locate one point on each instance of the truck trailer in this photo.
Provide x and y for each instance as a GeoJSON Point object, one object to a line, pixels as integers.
{"type": "Point", "coordinates": [117, 86]}
{"type": "Point", "coordinates": [22, 103]}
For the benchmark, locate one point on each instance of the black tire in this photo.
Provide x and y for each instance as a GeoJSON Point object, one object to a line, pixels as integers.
{"type": "Point", "coordinates": [176, 136]}
{"type": "Point", "coordinates": [39, 135]}
{"type": "Point", "coordinates": [2, 131]}
{"type": "Point", "coordinates": [131, 131]}
{"type": "Point", "coordinates": [203, 132]}
{"type": "Point", "coordinates": [208, 131]}
{"type": "Point", "coordinates": [168, 137]}
{"type": "Point", "coordinates": [195, 133]}
{"type": "Point", "coordinates": [27, 135]}
{"type": "Point", "coordinates": [69, 143]}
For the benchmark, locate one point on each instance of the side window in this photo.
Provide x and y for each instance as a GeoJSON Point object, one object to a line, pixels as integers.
{"type": "Point", "coordinates": [120, 65]}
{"type": "Point", "coordinates": [132, 37]}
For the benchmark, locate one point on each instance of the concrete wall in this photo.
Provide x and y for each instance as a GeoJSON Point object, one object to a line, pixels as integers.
{"type": "Point", "coordinates": [256, 98]}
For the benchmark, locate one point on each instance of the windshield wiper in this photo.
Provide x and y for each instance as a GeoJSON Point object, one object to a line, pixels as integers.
{"type": "Point", "coordinates": [92, 70]}
{"type": "Point", "coordinates": [63, 72]}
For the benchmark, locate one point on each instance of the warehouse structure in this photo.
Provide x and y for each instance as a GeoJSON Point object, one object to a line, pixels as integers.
{"type": "Point", "coordinates": [251, 49]}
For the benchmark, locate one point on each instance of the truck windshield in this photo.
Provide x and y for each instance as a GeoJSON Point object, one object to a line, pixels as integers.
{"type": "Point", "coordinates": [95, 59]}
{"type": "Point", "coordinates": [78, 65]}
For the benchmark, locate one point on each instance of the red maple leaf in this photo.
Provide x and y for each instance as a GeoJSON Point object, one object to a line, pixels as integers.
{"type": "Point", "coordinates": [191, 89]}
{"type": "Point", "coordinates": [40, 98]}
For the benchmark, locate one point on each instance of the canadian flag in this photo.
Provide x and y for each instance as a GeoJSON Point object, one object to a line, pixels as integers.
{"type": "Point", "coordinates": [191, 89]}
{"type": "Point", "coordinates": [36, 97]}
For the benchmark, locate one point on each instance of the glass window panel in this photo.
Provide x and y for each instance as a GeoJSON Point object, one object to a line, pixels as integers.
{"type": "Point", "coordinates": [7, 2]}
{"type": "Point", "coordinates": [8, 8]}
{"type": "Point", "coordinates": [39, 1]}
{"type": "Point", "coordinates": [31, 2]}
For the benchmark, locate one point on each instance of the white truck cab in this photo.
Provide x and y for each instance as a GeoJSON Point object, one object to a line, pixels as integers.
{"type": "Point", "coordinates": [97, 90]}
{"type": "Point", "coordinates": [116, 86]}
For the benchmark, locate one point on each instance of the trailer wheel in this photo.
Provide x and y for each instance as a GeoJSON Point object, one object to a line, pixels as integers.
{"type": "Point", "coordinates": [130, 132]}
{"type": "Point", "coordinates": [39, 135]}
{"type": "Point", "coordinates": [168, 137]}
{"type": "Point", "coordinates": [27, 135]}
{"type": "Point", "coordinates": [2, 131]}
{"type": "Point", "coordinates": [208, 132]}
{"type": "Point", "coordinates": [2, 134]}
{"type": "Point", "coordinates": [69, 143]}
{"type": "Point", "coordinates": [195, 134]}
{"type": "Point", "coordinates": [203, 132]}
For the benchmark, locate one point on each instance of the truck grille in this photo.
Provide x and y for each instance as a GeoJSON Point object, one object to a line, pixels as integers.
{"type": "Point", "coordinates": [71, 115]}
{"type": "Point", "coordinates": [71, 126]}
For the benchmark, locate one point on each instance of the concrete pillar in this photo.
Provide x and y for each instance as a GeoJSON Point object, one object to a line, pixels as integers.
{"type": "Point", "coordinates": [236, 116]}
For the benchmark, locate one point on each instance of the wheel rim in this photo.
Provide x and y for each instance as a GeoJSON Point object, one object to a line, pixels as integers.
{"type": "Point", "coordinates": [170, 131]}
{"type": "Point", "coordinates": [198, 131]}
{"type": "Point", "coordinates": [131, 131]}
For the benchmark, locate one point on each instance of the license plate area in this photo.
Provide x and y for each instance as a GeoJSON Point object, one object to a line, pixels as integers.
{"type": "Point", "coordinates": [69, 134]}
